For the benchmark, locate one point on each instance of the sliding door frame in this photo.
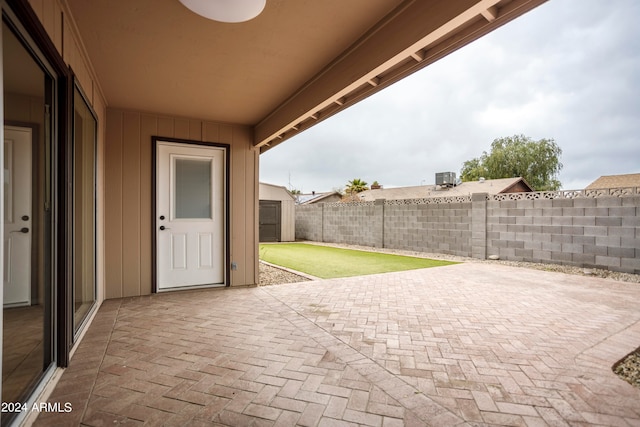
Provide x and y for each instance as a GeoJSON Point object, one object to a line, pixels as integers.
{"type": "Point", "coordinates": [23, 21]}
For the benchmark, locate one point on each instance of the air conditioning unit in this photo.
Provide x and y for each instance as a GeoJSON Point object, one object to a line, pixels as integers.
{"type": "Point", "coordinates": [446, 179]}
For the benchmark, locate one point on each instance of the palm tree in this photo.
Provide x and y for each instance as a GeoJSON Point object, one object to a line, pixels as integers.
{"type": "Point", "coordinates": [356, 185]}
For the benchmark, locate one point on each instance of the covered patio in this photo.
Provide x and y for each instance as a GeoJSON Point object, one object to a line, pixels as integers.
{"type": "Point", "coordinates": [472, 343]}
{"type": "Point", "coordinates": [133, 132]}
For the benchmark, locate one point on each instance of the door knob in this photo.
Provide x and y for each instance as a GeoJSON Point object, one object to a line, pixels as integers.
{"type": "Point", "coordinates": [162, 227]}
{"type": "Point", "coordinates": [23, 230]}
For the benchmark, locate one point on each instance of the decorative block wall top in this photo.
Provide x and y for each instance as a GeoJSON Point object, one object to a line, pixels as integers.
{"type": "Point", "coordinates": [566, 194]}
{"type": "Point", "coordinates": [536, 195]}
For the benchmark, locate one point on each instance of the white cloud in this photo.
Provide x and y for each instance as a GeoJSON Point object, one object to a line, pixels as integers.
{"type": "Point", "coordinates": [568, 70]}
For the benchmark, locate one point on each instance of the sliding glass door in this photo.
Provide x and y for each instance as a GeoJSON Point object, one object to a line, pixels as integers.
{"type": "Point", "coordinates": [28, 183]}
{"type": "Point", "coordinates": [48, 208]}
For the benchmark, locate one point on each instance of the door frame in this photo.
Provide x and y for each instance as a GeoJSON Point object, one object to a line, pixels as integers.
{"type": "Point", "coordinates": [226, 209]}
{"type": "Point", "coordinates": [35, 218]}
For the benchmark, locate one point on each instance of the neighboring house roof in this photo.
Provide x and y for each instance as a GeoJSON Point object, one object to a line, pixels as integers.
{"type": "Point", "coordinates": [616, 181]}
{"type": "Point", "coordinates": [273, 192]}
{"type": "Point", "coordinates": [308, 199]}
{"type": "Point", "coordinates": [490, 186]}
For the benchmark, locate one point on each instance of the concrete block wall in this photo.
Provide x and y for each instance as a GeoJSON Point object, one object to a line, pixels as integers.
{"type": "Point", "coordinates": [439, 228]}
{"type": "Point", "coordinates": [479, 225]}
{"type": "Point", "coordinates": [592, 232]}
{"type": "Point", "coordinates": [309, 222]}
{"type": "Point", "coordinates": [353, 223]}
{"type": "Point", "coordinates": [599, 232]}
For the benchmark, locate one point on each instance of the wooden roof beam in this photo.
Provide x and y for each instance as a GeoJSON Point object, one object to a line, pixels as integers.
{"type": "Point", "coordinates": [410, 31]}
{"type": "Point", "coordinates": [490, 14]}
{"type": "Point", "coordinates": [418, 56]}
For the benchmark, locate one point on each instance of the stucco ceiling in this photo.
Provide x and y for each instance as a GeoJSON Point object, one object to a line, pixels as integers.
{"type": "Point", "coordinates": [156, 54]}
{"type": "Point", "coordinates": [296, 63]}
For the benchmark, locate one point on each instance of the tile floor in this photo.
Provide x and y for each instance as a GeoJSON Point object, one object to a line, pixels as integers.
{"type": "Point", "coordinates": [22, 350]}
{"type": "Point", "coordinates": [468, 344]}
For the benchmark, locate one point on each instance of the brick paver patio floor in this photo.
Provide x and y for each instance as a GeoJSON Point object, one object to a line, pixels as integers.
{"type": "Point", "coordinates": [474, 343]}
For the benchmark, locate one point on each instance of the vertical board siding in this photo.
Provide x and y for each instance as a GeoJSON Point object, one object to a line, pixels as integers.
{"type": "Point", "coordinates": [148, 128]}
{"type": "Point", "coordinates": [131, 203]}
{"type": "Point", "coordinates": [100, 110]}
{"type": "Point", "coordinates": [181, 129]}
{"type": "Point", "coordinates": [211, 132]}
{"type": "Point", "coordinates": [195, 130]}
{"type": "Point", "coordinates": [165, 127]}
{"type": "Point", "coordinates": [124, 174]}
{"type": "Point", "coordinates": [24, 109]}
{"type": "Point", "coordinates": [73, 57]}
{"type": "Point", "coordinates": [225, 135]}
{"type": "Point", "coordinates": [113, 205]}
{"type": "Point", "coordinates": [252, 241]}
{"type": "Point", "coordinates": [250, 220]}
{"type": "Point", "coordinates": [60, 27]}
{"type": "Point", "coordinates": [130, 146]}
{"type": "Point", "coordinates": [50, 15]}
{"type": "Point", "coordinates": [237, 186]}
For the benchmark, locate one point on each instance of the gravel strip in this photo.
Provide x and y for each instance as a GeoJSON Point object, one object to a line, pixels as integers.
{"type": "Point", "coordinates": [629, 369]}
{"type": "Point", "coordinates": [270, 275]}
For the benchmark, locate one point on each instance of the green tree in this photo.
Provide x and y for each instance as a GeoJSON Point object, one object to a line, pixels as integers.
{"type": "Point", "coordinates": [356, 185]}
{"type": "Point", "coordinates": [538, 162]}
{"type": "Point", "coordinates": [295, 193]}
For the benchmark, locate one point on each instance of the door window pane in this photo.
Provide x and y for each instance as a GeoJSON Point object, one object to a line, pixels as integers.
{"type": "Point", "coordinates": [84, 210]}
{"type": "Point", "coordinates": [192, 188]}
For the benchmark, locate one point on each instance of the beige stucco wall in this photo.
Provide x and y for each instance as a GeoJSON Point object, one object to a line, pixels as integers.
{"type": "Point", "coordinates": [129, 183]}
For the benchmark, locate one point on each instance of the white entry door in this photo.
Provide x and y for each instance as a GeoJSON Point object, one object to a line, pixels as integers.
{"type": "Point", "coordinates": [17, 216]}
{"type": "Point", "coordinates": [190, 231]}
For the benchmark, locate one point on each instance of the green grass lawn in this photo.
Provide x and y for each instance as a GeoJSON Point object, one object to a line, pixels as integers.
{"type": "Point", "coordinates": [328, 262]}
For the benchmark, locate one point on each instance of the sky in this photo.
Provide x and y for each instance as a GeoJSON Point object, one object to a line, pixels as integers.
{"type": "Point", "coordinates": [568, 70]}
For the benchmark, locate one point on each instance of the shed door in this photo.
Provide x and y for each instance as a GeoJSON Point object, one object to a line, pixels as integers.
{"type": "Point", "coordinates": [190, 216]}
{"type": "Point", "coordinates": [270, 220]}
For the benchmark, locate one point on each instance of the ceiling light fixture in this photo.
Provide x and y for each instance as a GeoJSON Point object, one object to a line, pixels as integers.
{"type": "Point", "coordinates": [226, 10]}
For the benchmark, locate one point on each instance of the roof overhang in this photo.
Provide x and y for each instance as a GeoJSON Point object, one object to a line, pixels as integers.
{"type": "Point", "coordinates": [296, 64]}
{"type": "Point", "coordinates": [413, 36]}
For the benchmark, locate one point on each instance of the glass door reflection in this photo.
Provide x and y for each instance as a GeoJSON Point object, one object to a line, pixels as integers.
{"type": "Point", "coordinates": [27, 314]}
